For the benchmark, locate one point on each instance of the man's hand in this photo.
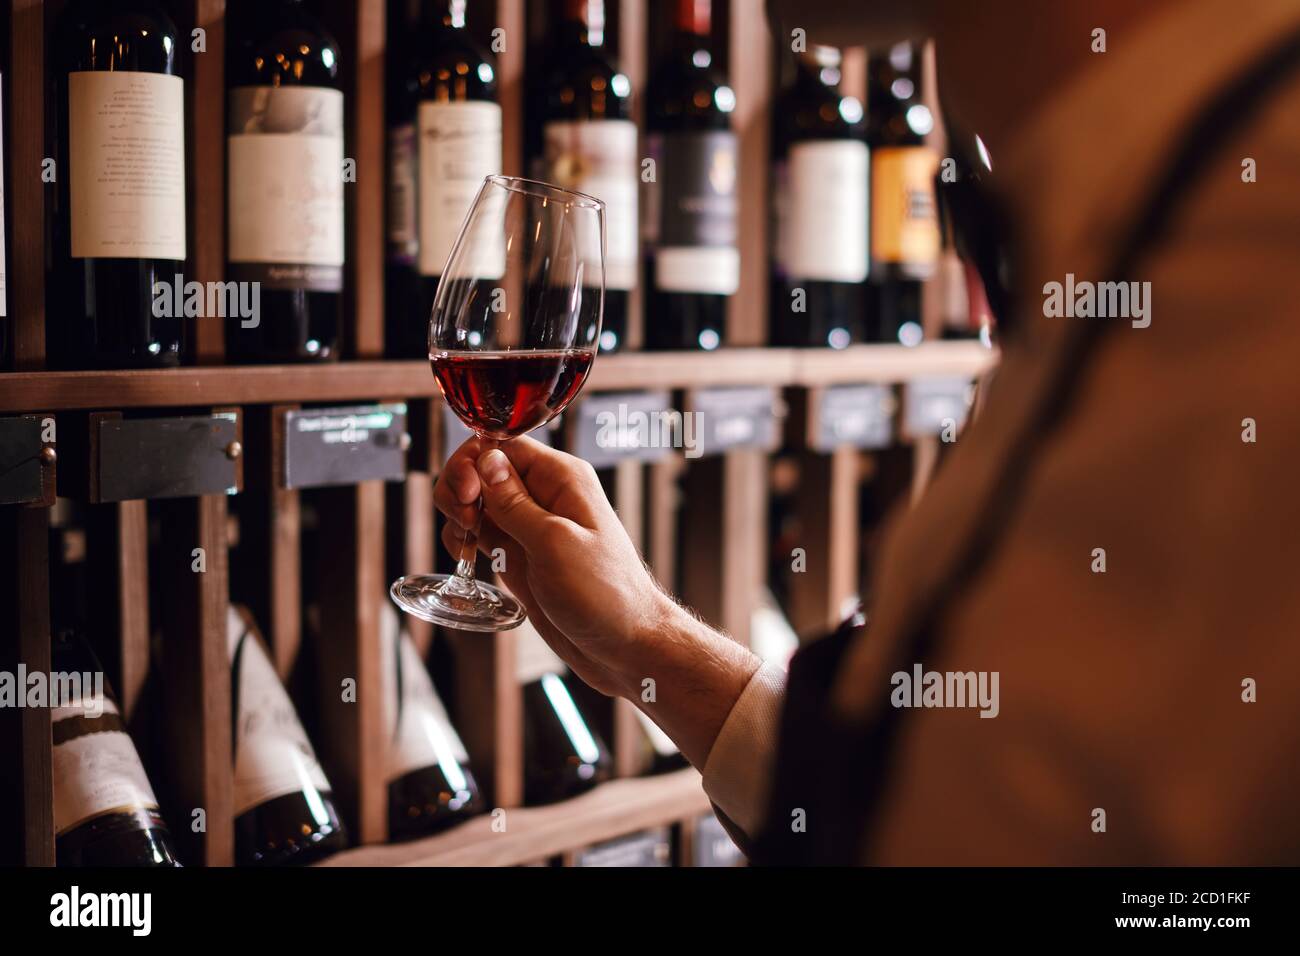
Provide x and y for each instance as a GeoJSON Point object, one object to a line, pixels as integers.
{"type": "Point", "coordinates": [587, 591]}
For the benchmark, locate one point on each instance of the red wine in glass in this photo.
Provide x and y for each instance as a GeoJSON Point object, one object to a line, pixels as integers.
{"type": "Point", "coordinates": [513, 333]}
{"type": "Point", "coordinates": [505, 394]}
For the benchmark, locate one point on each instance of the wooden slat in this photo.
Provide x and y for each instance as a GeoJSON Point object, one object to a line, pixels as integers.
{"type": "Point", "coordinates": [351, 587]}
{"type": "Point", "coordinates": [417, 530]}
{"type": "Point", "coordinates": [827, 508]}
{"type": "Point", "coordinates": [751, 78]}
{"type": "Point", "coordinates": [629, 502]}
{"type": "Point", "coordinates": [24, 143]}
{"type": "Point", "coordinates": [490, 712]}
{"type": "Point", "coordinates": [194, 670]}
{"type": "Point", "coordinates": [118, 563]}
{"type": "Point", "coordinates": [206, 122]}
{"type": "Point", "coordinates": [724, 526]}
{"type": "Point", "coordinates": [632, 33]}
{"type": "Point", "coordinates": [611, 810]}
{"type": "Point", "coordinates": [26, 781]}
{"type": "Point", "coordinates": [344, 381]}
{"type": "Point", "coordinates": [661, 519]}
{"type": "Point", "coordinates": [510, 85]}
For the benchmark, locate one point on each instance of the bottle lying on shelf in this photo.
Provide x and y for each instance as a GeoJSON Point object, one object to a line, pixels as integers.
{"type": "Point", "coordinates": [563, 755]}
{"type": "Point", "coordinates": [284, 807]}
{"type": "Point", "coordinates": [430, 786]}
{"type": "Point", "coordinates": [105, 812]}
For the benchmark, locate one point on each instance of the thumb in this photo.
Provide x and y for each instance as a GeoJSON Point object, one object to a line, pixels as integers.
{"type": "Point", "coordinates": [507, 501]}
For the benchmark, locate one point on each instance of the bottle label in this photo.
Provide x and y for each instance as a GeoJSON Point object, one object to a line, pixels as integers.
{"type": "Point", "coordinates": [420, 733]}
{"type": "Point", "coordinates": [695, 231]}
{"type": "Point", "coordinates": [598, 157]}
{"type": "Point", "coordinates": [460, 145]}
{"type": "Point", "coordinates": [285, 186]}
{"type": "Point", "coordinates": [533, 656]}
{"type": "Point", "coordinates": [904, 226]}
{"type": "Point", "coordinates": [126, 150]}
{"type": "Point", "coordinates": [96, 768]}
{"type": "Point", "coordinates": [273, 756]}
{"type": "Point", "coordinates": [403, 234]}
{"type": "Point", "coordinates": [822, 233]}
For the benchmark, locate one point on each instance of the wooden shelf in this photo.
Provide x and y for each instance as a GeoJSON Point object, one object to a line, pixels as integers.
{"type": "Point", "coordinates": [348, 381]}
{"type": "Point", "coordinates": [535, 833]}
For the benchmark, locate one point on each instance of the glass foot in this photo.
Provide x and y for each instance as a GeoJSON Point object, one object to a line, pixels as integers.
{"type": "Point", "coordinates": [452, 601]}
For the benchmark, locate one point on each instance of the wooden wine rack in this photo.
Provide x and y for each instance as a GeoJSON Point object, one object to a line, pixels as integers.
{"type": "Point", "coordinates": [190, 672]}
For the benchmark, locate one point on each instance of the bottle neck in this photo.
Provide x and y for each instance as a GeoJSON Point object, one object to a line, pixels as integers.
{"type": "Point", "coordinates": [443, 13]}
{"type": "Point", "coordinates": [694, 18]}
{"type": "Point", "coordinates": [584, 22]}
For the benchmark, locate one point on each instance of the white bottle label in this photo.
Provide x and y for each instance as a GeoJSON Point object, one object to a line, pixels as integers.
{"type": "Point", "coordinates": [420, 733]}
{"type": "Point", "coordinates": [285, 186]}
{"type": "Point", "coordinates": [460, 145]}
{"type": "Point", "coordinates": [533, 656]}
{"type": "Point", "coordinates": [96, 768]}
{"type": "Point", "coordinates": [126, 150]}
{"type": "Point", "coordinates": [823, 229]}
{"type": "Point", "coordinates": [599, 158]}
{"type": "Point", "coordinates": [273, 756]}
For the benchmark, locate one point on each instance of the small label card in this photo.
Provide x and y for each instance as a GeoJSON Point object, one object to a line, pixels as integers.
{"type": "Point", "coordinates": [728, 418]}
{"type": "Point", "coordinates": [344, 446]}
{"type": "Point", "coordinates": [713, 846]}
{"type": "Point", "coordinates": [856, 416]}
{"type": "Point", "coordinates": [647, 848]}
{"type": "Point", "coordinates": [26, 467]}
{"type": "Point", "coordinates": [610, 427]}
{"type": "Point", "coordinates": [180, 457]}
{"type": "Point", "coordinates": [936, 405]}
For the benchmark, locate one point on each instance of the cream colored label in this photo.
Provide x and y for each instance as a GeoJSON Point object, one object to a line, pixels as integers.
{"type": "Point", "coordinates": [273, 756]}
{"type": "Point", "coordinates": [285, 175]}
{"type": "Point", "coordinates": [460, 146]}
{"type": "Point", "coordinates": [533, 656]}
{"type": "Point", "coordinates": [96, 772]}
{"type": "Point", "coordinates": [599, 158]}
{"type": "Point", "coordinates": [904, 225]}
{"type": "Point", "coordinates": [420, 733]}
{"type": "Point", "coordinates": [823, 234]}
{"type": "Point", "coordinates": [126, 149]}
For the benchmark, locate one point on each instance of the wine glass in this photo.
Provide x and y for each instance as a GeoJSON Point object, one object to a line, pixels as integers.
{"type": "Point", "coordinates": [512, 336]}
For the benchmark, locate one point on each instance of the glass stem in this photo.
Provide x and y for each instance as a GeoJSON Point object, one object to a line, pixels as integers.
{"type": "Point", "coordinates": [465, 560]}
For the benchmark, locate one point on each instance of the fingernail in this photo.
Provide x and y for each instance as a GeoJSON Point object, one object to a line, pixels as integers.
{"type": "Point", "coordinates": [494, 467]}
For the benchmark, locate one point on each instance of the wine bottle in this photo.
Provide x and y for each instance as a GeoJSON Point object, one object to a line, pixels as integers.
{"type": "Point", "coordinates": [819, 265]}
{"type": "Point", "coordinates": [904, 225]}
{"type": "Point", "coordinates": [430, 786]}
{"type": "Point", "coordinates": [284, 162]}
{"type": "Point", "coordinates": [453, 119]}
{"type": "Point", "coordinates": [118, 215]}
{"type": "Point", "coordinates": [105, 811]}
{"type": "Point", "coordinates": [693, 265]}
{"type": "Point", "coordinates": [591, 146]}
{"type": "Point", "coordinates": [563, 755]}
{"type": "Point", "coordinates": [284, 807]}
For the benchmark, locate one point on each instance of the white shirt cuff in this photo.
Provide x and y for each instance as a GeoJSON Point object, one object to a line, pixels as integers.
{"type": "Point", "coordinates": [738, 773]}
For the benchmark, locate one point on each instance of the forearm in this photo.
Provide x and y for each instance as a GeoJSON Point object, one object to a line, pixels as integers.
{"type": "Point", "coordinates": [686, 677]}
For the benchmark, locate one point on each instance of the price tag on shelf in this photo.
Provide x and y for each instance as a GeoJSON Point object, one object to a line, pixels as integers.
{"type": "Point", "coordinates": [936, 405]}
{"type": "Point", "coordinates": [26, 461]}
{"type": "Point", "coordinates": [344, 446]}
{"type": "Point", "coordinates": [712, 845]}
{"type": "Point", "coordinates": [857, 416]}
{"type": "Point", "coordinates": [181, 457]}
{"type": "Point", "coordinates": [454, 432]}
{"type": "Point", "coordinates": [607, 428]}
{"type": "Point", "coordinates": [729, 418]}
{"type": "Point", "coordinates": [647, 848]}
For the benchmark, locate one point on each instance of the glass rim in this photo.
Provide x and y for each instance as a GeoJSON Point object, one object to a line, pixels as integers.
{"type": "Point", "coordinates": [535, 187]}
